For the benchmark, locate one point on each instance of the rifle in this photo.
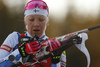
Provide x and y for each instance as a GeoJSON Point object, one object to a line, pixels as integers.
{"type": "Point", "coordinates": [64, 39]}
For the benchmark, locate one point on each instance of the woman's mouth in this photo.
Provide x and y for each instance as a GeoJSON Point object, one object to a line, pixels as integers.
{"type": "Point", "coordinates": [36, 30]}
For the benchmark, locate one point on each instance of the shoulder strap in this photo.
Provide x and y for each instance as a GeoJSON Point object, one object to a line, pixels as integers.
{"type": "Point", "coordinates": [19, 35]}
{"type": "Point", "coordinates": [22, 35]}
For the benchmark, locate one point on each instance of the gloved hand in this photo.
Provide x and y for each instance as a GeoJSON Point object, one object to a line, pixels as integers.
{"type": "Point", "coordinates": [48, 46]}
{"type": "Point", "coordinates": [29, 48]}
{"type": "Point", "coordinates": [33, 47]}
{"type": "Point", "coordinates": [54, 44]}
{"type": "Point", "coordinates": [55, 59]}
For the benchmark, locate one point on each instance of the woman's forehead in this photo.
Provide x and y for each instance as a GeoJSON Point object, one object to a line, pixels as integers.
{"type": "Point", "coordinates": [36, 16]}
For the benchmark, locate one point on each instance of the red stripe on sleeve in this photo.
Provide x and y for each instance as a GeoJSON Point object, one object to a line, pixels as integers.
{"type": "Point", "coordinates": [6, 47]}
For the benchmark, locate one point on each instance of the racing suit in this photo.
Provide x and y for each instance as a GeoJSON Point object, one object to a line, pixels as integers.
{"type": "Point", "coordinates": [11, 44]}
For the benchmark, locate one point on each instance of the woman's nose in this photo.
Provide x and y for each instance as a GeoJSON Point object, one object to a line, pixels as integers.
{"type": "Point", "coordinates": [36, 23]}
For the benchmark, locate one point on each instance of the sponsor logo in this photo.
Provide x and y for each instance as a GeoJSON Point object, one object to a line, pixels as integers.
{"type": "Point", "coordinates": [6, 47]}
{"type": "Point", "coordinates": [69, 35]}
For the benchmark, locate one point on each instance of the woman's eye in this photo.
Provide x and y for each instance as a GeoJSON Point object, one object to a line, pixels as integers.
{"type": "Point", "coordinates": [31, 19]}
{"type": "Point", "coordinates": [41, 19]}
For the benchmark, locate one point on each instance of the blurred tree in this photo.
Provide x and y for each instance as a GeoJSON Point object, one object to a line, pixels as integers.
{"type": "Point", "coordinates": [3, 18]}
{"type": "Point", "coordinates": [11, 20]}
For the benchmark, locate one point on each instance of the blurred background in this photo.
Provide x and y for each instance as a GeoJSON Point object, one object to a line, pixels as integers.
{"type": "Point", "coordinates": [66, 16]}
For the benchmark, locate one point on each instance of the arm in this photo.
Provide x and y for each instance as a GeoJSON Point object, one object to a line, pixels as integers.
{"type": "Point", "coordinates": [6, 61]}
{"type": "Point", "coordinates": [6, 48]}
{"type": "Point", "coordinates": [65, 44]}
{"type": "Point", "coordinates": [53, 44]}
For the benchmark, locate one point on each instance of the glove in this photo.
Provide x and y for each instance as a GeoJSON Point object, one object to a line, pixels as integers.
{"type": "Point", "coordinates": [55, 59]}
{"type": "Point", "coordinates": [48, 46]}
{"type": "Point", "coordinates": [33, 47]}
{"type": "Point", "coordinates": [54, 44]}
{"type": "Point", "coordinates": [29, 48]}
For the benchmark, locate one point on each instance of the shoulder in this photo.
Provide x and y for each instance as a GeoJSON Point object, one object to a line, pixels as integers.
{"type": "Point", "coordinates": [13, 33]}
{"type": "Point", "coordinates": [12, 39]}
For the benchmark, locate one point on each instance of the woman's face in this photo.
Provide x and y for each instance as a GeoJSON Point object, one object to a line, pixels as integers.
{"type": "Point", "coordinates": [36, 24]}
